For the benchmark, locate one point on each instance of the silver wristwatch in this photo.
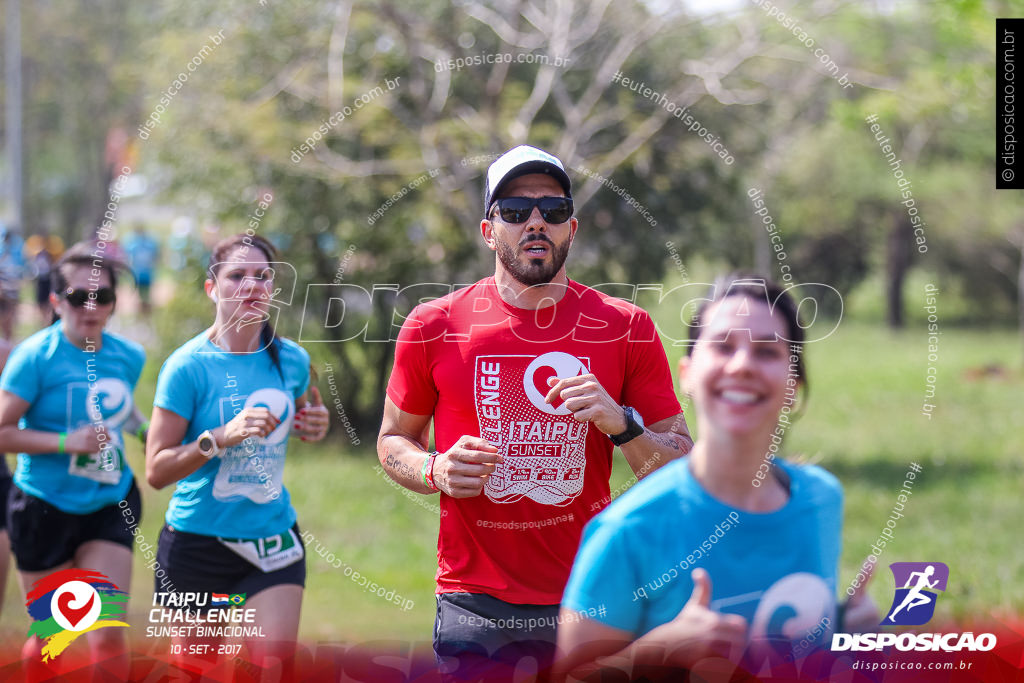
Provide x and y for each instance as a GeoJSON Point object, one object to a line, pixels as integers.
{"type": "Point", "coordinates": [208, 445]}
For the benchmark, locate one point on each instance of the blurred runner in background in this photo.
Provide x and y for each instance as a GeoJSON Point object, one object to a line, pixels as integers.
{"type": "Point", "coordinates": [12, 270]}
{"type": "Point", "coordinates": [41, 252]}
{"type": "Point", "coordinates": [143, 253]}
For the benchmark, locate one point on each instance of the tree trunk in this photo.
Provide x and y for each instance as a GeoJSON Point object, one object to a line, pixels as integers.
{"type": "Point", "coordinates": [1020, 291]}
{"type": "Point", "coordinates": [898, 252]}
{"type": "Point", "coordinates": [762, 248]}
{"type": "Point", "coordinates": [13, 108]}
{"type": "Point", "coordinates": [385, 357]}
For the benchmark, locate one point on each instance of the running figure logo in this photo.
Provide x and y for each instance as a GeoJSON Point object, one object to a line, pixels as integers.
{"type": "Point", "coordinates": [914, 602]}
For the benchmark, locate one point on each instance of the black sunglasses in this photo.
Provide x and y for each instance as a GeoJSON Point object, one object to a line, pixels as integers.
{"type": "Point", "coordinates": [101, 297]}
{"type": "Point", "coordinates": [553, 210]}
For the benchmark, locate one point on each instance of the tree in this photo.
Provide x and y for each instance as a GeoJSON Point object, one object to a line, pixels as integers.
{"type": "Point", "coordinates": [396, 172]}
{"type": "Point", "coordinates": [79, 88]}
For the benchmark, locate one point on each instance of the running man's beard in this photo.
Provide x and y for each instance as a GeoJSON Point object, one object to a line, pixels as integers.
{"type": "Point", "coordinates": [535, 271]}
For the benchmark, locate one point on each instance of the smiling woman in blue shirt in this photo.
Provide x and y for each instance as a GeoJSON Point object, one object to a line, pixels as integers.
{"type": "Point", "coordinates": [730, 552]}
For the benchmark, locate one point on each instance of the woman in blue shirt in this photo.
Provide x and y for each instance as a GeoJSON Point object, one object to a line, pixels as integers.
{"type": "Point", "coordinates": [65, 404]}
{"type": "Point", "coordinates": [225, 404]}
{"type": "Point", "coordinates": [6, 479]}
{"type": "Point", "coordinates": [730, 548]}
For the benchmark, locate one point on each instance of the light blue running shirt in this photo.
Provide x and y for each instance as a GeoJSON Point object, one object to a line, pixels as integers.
{"type": "Point", "coordinates": [777, 570]}
{"type": "Point", "coordinates": [239, 493]}
{"type": "Point", "coordinates": [60, 381]}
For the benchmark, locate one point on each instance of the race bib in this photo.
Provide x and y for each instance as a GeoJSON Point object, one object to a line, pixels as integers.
{"type": "Point", "coordinates": [105, 466]}
{"type": "Point", "coordinates": [108, 403]}
{"type": "Point", "coordinates": [542, 444]}
{"type": "Point", "coordinates": [268, 554]}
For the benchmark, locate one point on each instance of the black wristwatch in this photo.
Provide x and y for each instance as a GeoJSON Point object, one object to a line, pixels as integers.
{"type": "Point", "coordinates": [634, 427]}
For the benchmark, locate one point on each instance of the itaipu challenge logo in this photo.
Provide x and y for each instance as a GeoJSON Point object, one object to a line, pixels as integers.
{"type": "Point", "coordinates": [918, 585]}
{"type": "Point", "coordinates": [68, 603]}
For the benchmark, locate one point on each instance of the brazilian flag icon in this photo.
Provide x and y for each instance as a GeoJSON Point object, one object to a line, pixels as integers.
{"type": "Point", "coordinates": [237, 599]}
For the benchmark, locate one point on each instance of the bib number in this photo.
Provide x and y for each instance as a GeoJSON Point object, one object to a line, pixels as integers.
{"type": "Point", "coordinates": [268, 554]}
{"type": "Point", "coordinates": [104, 467]}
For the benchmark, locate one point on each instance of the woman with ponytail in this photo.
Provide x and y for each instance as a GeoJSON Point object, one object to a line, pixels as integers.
{"type": "Point", "coordinates": [226, 402]}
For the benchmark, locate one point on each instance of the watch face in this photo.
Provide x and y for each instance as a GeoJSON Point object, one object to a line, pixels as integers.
{"type": "Point", "coordinates": [634, 427]}
{"type": "Point", "coordinates": [205, 444]}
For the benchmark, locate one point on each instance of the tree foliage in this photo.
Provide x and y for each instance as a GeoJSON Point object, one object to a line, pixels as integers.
{"type": "Point", "coordinates": [389, 194]}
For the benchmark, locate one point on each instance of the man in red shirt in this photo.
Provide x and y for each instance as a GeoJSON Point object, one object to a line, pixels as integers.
{"type": "Point", "coordinates": [530, 380]}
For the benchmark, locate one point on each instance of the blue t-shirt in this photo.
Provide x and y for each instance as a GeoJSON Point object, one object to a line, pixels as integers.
{"type": "Point", "coordinates": [239, 493]}
{"type": "Point", "coordinates": [776, 569]}
{"type": "Point", "coordinates": [142, 251]}
{"type": "Point", "coordinates": [61, 382]}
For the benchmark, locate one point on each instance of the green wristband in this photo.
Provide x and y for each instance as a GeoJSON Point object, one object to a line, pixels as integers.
{"type": "Point", "coordinates": [60, 441]}
{"type": "Point", "coordinates": [423, 472]}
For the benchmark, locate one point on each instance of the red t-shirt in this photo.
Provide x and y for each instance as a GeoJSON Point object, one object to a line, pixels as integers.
{"type": "Point", "coordinates": [480, 367]}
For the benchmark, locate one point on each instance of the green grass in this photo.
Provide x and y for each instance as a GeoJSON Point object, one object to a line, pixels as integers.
{"type": "Point", "coordinates": [863, 423]}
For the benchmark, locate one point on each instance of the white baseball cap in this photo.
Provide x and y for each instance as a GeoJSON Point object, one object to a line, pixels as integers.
{"type": "Point", "coordinates": [523, 160]}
